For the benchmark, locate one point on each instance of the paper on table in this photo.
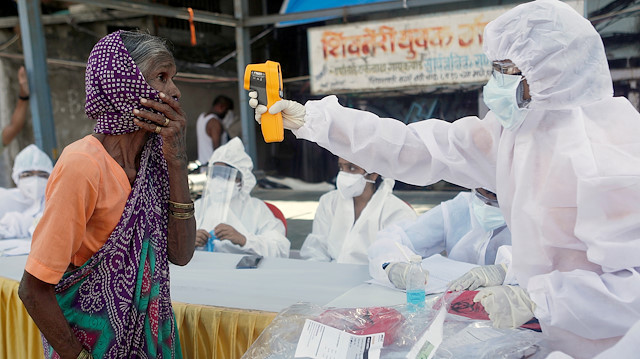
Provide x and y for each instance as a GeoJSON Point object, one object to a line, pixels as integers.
{"type": "Point", "coordinates": [14, 247]}
{"type": "Point", "coordinates": [318, 340]}
{"type": "Point", "coordinates": [442, 270]}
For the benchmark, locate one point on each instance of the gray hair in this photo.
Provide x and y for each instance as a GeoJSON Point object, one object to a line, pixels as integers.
{"type": "Point", "coordinates": [146, 50]}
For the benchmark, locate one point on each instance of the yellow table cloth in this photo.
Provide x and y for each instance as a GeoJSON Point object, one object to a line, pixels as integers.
{"type": "Point", "coordinates": [205, 331]}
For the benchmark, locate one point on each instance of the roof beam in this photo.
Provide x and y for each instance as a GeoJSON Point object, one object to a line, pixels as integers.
{"type": "Point", "coordinates": [11, 21]}
{"type": "Point", "coordinates": [163, 10]}
{"type": "Point", "coordinates": [249, 21]}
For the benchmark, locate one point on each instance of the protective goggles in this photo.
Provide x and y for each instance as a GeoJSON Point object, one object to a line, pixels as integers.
{"type": "Point", "coordinates": [486, 200]}
{"type": "Point", "coordinates": [501, 68]}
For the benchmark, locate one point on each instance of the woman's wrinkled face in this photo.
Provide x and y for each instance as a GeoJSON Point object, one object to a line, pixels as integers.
{"type": "Point", "coordinates": [160, 77]}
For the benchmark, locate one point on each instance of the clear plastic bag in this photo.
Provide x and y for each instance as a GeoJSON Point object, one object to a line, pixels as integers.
{"type": "Point", "coordinates": [403, 327]}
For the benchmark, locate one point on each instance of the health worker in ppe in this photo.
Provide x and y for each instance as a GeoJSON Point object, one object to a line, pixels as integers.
{"type": "Point", "coordinates": [250, 227]}
{"type": "Point", "coordinates": [560, 151]}
{"type": "Point", "coordinates": [469, 227]}
{"type": "Point", "coordinates": [22, 206]}
{"type": "Point", "coordinates": [348, 218]}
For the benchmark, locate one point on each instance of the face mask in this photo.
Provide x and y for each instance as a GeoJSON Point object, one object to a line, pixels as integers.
{"type": "Point", "coordinates": [32, 187]}
{"type": "Point", "coordinates": [489, 217]}
{"type": "Point", "coordinates": [351, 184]}
{"type": "Point", "coordinates": [503, 100]}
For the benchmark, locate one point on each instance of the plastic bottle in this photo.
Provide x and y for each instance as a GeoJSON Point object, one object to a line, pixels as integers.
{"type": "Point", "coordinates": [416, 282]}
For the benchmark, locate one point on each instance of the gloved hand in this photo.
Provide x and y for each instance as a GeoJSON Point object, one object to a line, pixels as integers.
{"type": "Point", "coordinates": [508, 306]}
{"type": "Point", "coordinates": [397, 273]}
{"type": "Point", "coordinates": [292, 112]}
{"type": "Point", "coordinates": [484, 276]}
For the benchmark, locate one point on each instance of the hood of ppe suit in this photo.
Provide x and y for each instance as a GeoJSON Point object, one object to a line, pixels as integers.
{"type": "Point", "coordinates": [558, 51]}
{"type": "Point", "coordinates": [31, 158]}
{"type": "Point", "coordinates": [233, 154]}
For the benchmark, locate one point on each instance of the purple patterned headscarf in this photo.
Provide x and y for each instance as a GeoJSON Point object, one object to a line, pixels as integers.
{"type": "Point", "coordinates": [114, 86]}
{"type": "Point", "coordinates": [118, 303]}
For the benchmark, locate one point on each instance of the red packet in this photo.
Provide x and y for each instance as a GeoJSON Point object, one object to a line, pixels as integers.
{"type": "Point", "coordinates": [463, 305]}
{"type": "Point", "coordinates": [363, 321]}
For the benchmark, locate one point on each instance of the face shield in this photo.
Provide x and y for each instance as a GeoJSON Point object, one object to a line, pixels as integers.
{"type": "Point", "coordinates": [221, 181]}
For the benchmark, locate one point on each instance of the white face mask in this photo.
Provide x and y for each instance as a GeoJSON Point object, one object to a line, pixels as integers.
{"type": "Point", "coordinates": [351, 184]}
{"type": "Point", "coordinates": [489, 217]}
{"type": "Point", "coordinates": [32, 187]}
{"type": "Point", "coordinates": [502, 99]}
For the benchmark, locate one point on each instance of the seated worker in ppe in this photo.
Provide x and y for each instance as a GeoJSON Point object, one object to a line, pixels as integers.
{"type": "Point", "coordinates": [21, 207]}
{"type": "Point", "coordinates": [347, 219]}
{"type": "Point", "coordinates": [469, 227]}
{"type": "Point", "coordinates": [250, 226]}
{"type": "Point", "coordinates": [16, 124]}
{"type": "Point", "coordinates": [560, 151]}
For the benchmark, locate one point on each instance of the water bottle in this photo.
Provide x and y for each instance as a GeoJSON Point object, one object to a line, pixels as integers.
{"type": "Point", "coordinates": [416, 282]}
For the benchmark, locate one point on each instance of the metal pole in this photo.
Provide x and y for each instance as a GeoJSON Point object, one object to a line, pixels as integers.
{"type": "Point", "coordinates": [35, 58]}
{"type": "Point", "coordinates": [243, 57]}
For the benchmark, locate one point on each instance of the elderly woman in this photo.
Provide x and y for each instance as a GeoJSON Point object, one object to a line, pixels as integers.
{"type": "Point", "coordinates": [118, 209]}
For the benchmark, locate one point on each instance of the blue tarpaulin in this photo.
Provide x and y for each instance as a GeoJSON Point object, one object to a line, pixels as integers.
{"type": "Point", "coordinates": [293, 6]}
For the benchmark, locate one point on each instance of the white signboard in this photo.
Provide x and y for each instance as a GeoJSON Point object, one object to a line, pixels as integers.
{"type": "Point", "coordinates": [405, 52]}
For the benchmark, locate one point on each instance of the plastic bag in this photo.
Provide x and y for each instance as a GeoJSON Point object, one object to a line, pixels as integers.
{"type": "Point", "coordinates": [364, 321]}
{"type": "Point", "coordinates": [403, 327]}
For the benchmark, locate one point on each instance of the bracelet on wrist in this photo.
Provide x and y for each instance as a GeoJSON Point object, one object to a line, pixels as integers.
{"type": "Point", "coordinates": [178, 205]}
{"type": "Point", "coordinates": [24, 98]}
{"type": "Point", "coordinates": [181, 215]}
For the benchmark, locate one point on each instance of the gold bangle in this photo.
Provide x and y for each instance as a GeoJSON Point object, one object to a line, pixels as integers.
{"type": "Point", "coordinates": [179, 205]}
{"type": "Point", "coordinates": [181, 215]}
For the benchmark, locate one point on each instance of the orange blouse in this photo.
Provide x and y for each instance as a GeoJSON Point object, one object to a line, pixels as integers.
{"type": "Point", "coordinates": [84, 200]}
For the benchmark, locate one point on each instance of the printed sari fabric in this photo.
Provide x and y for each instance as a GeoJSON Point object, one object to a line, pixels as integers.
{"type": "Point", "coordinates": [118, 303]}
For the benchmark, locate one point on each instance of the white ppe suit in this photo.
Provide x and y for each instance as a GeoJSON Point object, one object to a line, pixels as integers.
{"type": "Point", "coordinates": [626, 348]}
{"type": "Point", "coordinates": [568, 178]}
{"type": "Point", "coordinates": [336, 238]}
{"type": "Point", "coordinates": [250, 216]}
{"type": "Point", "coordinates": [450, 226]}
{"type": "Point", "coordinates": [22, 207]}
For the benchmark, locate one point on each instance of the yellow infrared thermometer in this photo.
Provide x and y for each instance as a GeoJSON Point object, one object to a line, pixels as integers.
{"type": "Point", "coordinates": [266, 80]}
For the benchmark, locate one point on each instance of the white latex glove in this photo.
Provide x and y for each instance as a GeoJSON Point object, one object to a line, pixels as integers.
{"type": "Point", "coordinates": [397, 273]}
{"type": "Point", "coordinates": [484, 276]}
{"type": "Point", "coordinates": [292, 111]}
{"type": "Point", "coordinates": [508, 306]}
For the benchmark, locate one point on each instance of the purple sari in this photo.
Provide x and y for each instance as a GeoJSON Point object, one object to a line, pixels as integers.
{"type": "Point", "coordinates": [118, 303]}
